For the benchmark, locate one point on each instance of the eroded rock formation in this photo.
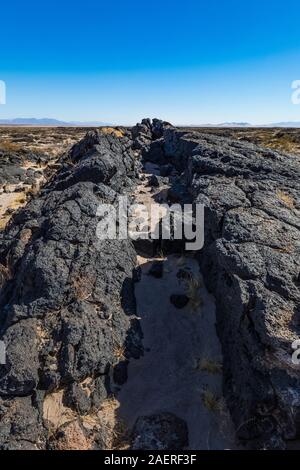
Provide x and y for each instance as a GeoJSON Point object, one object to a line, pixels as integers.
{"type": "Point", "coordinates": [67, 302]}
{"type": "Point", "coordinates": [250, 262]}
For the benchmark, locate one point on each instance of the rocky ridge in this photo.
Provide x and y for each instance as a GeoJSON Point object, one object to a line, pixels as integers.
{"type": "Point", "coordinates": [67, 303]}
{"type": "Point", "coordinates": [67, 299]}
{"type": "Point", "coordinates": [250, 262]}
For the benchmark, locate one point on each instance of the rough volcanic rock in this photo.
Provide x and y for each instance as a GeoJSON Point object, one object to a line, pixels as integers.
{"type": "Point", "coordinates": [157, 269]}
{"type": "Point", "coordinates": [66, 300]}
{"type": "Point", "coordinates": [250, 262]}
{"type": "Point", "coordinates": [179, 300]}
{"type": "Point", "coordinates": [157, 181]}
{"type": "Point", "coordinates": [184, 274]}
{"type": "Point", "coordinates": [148, 138]}
{"type": "Point", "coordinates": [162, 431]}
{"type": "Point", "coordinates": [14, 169]}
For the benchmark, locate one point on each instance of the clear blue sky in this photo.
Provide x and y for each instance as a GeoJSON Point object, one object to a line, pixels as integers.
{"type": "Point", "coordinates": [188, 62]}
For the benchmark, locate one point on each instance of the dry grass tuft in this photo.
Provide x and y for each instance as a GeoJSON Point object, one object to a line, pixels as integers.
{"type": "Point", "coordinates": [111, 130]}
{"type": "Point", "coordinates": [287, 200]}
{"type": "Point", "coordinates": [116, 431]}
{"type": "Point", "coordinates": [5, 274]}
{"type": "Point", "coordinates": [83, 287]}
{"type": "Point", "coordinates": [119, 352]}
{"type": "Point", "coordinates": [9, 146]}
{"type": "Point", "coordinates": [211, 401]}
{"type": "Point", "coordinates": [210, 366]}
{"type": "Point", "coordinates": [55, 414]}
{"type": "Point", "coordinates": [193, 286]}
{"type": "Point", "coordinates": [121, 436]}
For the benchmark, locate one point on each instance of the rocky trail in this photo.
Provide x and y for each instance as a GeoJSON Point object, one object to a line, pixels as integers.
{"type": "Point", "coordinates": [180, 372]}
{"type": "Point", "coordinates": [114, 343]}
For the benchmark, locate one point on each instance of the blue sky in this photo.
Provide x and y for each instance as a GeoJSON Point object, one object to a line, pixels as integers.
{"type": "Point", "coordinates": [188, 62]}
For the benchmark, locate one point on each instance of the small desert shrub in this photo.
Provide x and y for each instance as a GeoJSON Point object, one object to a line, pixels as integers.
{"type": "Point", "coordinates": [121, 435]}
{"type": "Point", "coordinates": [161, 254]}
{"type": "Point", "coordinates": [211, 401]}
{"type": "Point", "coordinates": [287, 200]}
{"type": "Point", "coordinates": [9, 146]}
{"type": "Point", "coordinates": [119, 352]}
{"type": "Point", "coordinates": [111, 130]}
{"type": "Point", "coordinates": [210, 366]}
{"type": "Point", "coordinates": [83, 287]}
{"type": "Point", "coordinates": [193, 286]}
{"type": "Point", "coordinates": [5, 274]}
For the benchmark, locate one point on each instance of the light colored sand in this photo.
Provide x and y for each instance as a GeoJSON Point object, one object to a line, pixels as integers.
{"type": "Point", "coordinates": [12, 200]}
{"type": "Point", "coordinates": [168, 377]}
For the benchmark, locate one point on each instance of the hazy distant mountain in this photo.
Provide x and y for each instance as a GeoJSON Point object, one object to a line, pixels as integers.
{"type": "Point", "coordinates": [283, 124]}
{"type": "Point", "coordinates": [88, 123]}
{"type": "Point", "coordinates": [49, 122]}
{"type": "Point", "coordinates": [234, 124]}
{"type": "Point", "coordinates": [56, 122]}
{"type": "Point", "coordinates": [247, 124]}
{"type": "Point", "coordinates": [223, 124]}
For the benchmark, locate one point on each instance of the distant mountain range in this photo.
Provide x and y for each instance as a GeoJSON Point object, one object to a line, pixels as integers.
{"type": "Point", "coordinates": [229, 124]}
{"type": "Point", "coordinates": [49, 122]}
{"type": "Point", "coordinates": [56, 123]}
{"type": "Point", "coordinates": [247, 124]}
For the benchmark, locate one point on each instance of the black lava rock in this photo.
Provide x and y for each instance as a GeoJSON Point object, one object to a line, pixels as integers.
{"type": "Point", "coordinates": [156, 269]}
{"type": "Point", "coordinates": [184, 274]}
{"type": "Point", "coordinates": [179, 300]}
{"type": "Point", "coordinates": [161, 431]}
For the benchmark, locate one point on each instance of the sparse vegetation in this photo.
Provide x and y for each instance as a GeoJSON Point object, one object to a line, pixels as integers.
{"type": "Point", "coordinates": [287, 200]}
{"type": "Point", "coordinates": [121, 436]}
{"type": "Point", "coordinates": [193, 286]}
{"type": "Point", "coordinates": [211, 401]}
{"type": "Point", "coordinates": [210, 366]}
{"type": "Point", "coordinates": [5, 274]}
{"type": "Point", "coordinates": [82, 287]}
{"type": "Point", "coordinates": [119, 352]}
{"type": "Point", "coordinates": [8, 146]}
{"type": "Point", "coordinates": [112, 130]}
{"type": "Point", "coordinates": [282, 140]}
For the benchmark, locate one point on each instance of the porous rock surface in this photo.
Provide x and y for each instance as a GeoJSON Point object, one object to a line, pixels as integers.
{"type": "Point", "coordinates": [12, 169]}
{"type": "Point", "coordinates": [67, 303]}
{"type": "Point", "coordinates": [250, 261]}
{"type": "Point", "coordinates": [162, 431]}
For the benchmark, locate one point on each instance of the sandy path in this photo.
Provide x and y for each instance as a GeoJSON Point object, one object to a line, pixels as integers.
{"type": "Point", "coordinates": [170, 376]}
{"type": "Point", "coordinates": [12, 200]}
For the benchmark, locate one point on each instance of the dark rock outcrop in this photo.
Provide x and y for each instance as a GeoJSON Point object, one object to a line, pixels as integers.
{"type": "Point", "coordinates": [22, 167]}
{"type": "Point", "coordinates": [179, 300]}
{"type": "Point", "coordinates": [250, 261]}
{"type": "Point", "coordinates": [162, 431]}
{"type": "Point", "coordinates": [157, 269]}
{"type": "Point", "coordinates": [148, 139]}
{"type": "Point", "coordinates": [67, 300]}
